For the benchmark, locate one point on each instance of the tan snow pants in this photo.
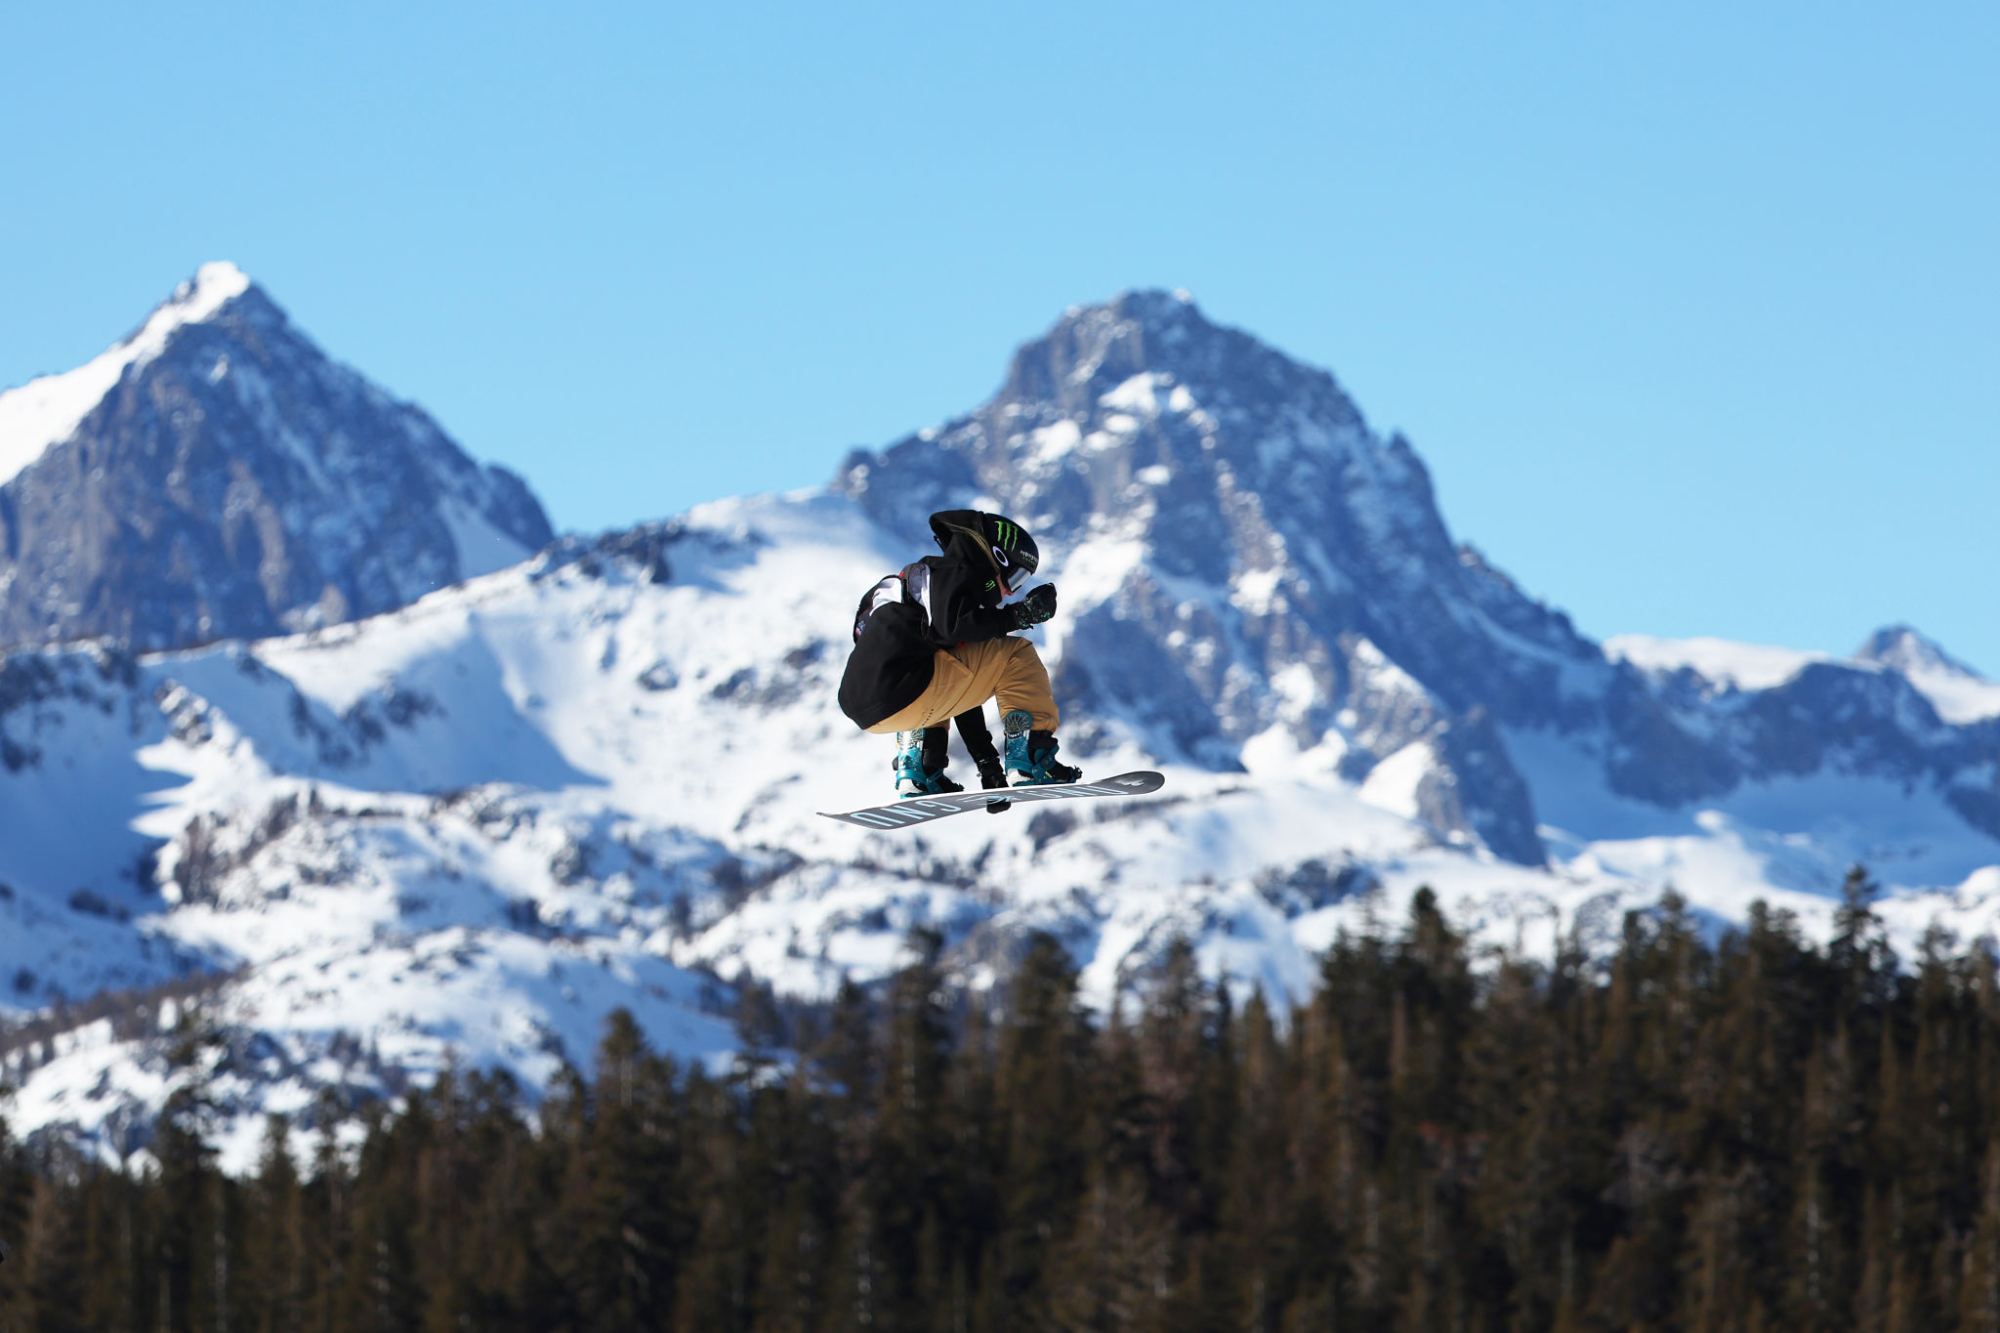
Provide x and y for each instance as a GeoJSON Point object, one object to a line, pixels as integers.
{"type": "Point", "coordinates": [966, 676]}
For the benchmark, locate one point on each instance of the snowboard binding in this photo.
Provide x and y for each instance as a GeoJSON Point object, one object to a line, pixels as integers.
{"type": "Point", "coordinates": [1031, 755]}
{"type": "Point", "coordinates": [919, 764]}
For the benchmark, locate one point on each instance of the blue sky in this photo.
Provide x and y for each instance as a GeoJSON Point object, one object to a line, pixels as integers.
{"type": "Point", "coordinates": [1694, 312]}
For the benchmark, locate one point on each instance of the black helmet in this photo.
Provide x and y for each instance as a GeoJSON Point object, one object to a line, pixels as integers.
{"type": "Point", "coordinates": [1007, 545]}
{"type": "Point", "coordinates": [1013, 549]}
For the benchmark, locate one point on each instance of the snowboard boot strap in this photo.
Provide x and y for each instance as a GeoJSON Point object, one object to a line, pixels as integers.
{"type": "Point", "coordinates": [936, 753]}
{"type": "Point", "coordinates": [1031, 755]}
{"type": "Point", "coordinates": [908, 765]}
{"type": "Point", "coordinates": [1014, 726]}
{"type": "Point", "coordinates": [919, 763]}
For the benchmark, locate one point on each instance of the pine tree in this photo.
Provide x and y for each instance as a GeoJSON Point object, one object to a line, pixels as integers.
{"type": "Point", "coordinates": [799, 1163]}
{"type": "Point", "coordinates": [1979, 1288]}
{"type": "Point", "coordinates": [274, 1253]}
{"type": "Point", "coordinates": [1041, 1100]}
{"type": "Point", "coordinates": [19, 1187]}
{"type": "Point", "coordinates": [378, 1288]}
{"type": "Point", "coordinates": [183, 1199]}
{"type": "Point", "coordinates": [1115, 1269]}
{"type": "Point", "coordinates": [1254, 1254]}
{"type": "Point", "coordinates": [1750, 1134]}
{"type": "Point", "coordinates": [636, 1222]}
{"type": "Point", "coordinates": [906, 1200]}
{"type": "Point", "coordinates": [51, 1272]}
{"type": "Point", "coordinates": [1174, 1043]}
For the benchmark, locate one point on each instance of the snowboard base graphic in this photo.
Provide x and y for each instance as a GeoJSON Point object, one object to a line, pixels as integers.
{"type": "Point", "coordinates": [925, 809]}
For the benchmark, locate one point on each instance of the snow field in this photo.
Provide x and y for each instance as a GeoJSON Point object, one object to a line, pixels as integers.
{"type": "Point", "coordinates": [465, 831]}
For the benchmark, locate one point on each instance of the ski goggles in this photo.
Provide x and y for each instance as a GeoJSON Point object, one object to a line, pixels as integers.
{"type": "Point", "coordinates": [1012, 576]}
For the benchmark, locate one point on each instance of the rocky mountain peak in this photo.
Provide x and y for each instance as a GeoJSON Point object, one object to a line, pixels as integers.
{"type": "Point", "coordinates": [449, 835]}
{"type": "Point", "coordinates": [1904, 649]}
{"type": "Point", "coordinates": [215, 474]}
{"type": "Point", "coordinates": [48, 409]}
{"type": "Point", "coordinates": [213, 285]}
{"type": "Point", "coordinates": [1139, 398]}
{"type": "Point", "coordinates": [1154, 349]}
{"type": "Point", "coordinates": [1252, 577]}
{"type": "Point", "coordinates": [1244, 556]}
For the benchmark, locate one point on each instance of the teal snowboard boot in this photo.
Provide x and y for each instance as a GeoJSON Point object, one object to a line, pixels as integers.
{"type": "Point", "coordinates": [912, 777]}
{"type": "Point", "coordinates": [1031, 755]}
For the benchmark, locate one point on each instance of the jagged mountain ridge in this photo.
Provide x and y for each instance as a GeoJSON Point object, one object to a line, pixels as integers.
{"type": "Point", "coordinates": [1256, 558]}
{"type": "Point", "coordinates": [1234, 466]}
{"type": "Point", "coordinates": [467, 829]}
{"type": "Point", "coordinates": [476, 823]}
{"type": "Point", "coordinates": [216, 475]}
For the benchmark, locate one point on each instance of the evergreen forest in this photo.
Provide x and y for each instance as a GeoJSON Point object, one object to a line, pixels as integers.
{"type": "Point", "coordinates": [1739, 1132]}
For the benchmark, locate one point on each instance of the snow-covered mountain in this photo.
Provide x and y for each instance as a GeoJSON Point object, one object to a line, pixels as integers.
{"type": "Point", "coordinates": [467, 828]}
{"type": "Point", "coordinates": [215, 475]}
{"type": "Point", "coordinates": [1266, 582]}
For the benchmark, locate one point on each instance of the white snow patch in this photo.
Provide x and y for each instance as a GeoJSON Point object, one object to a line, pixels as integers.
{"type": "Point", "coordinates": [1255, 590]}
{"type": "Point", "coordinates": [1295, 686]}
{"type": "Point", "coordinates": [494, 875]}
{"type": "Point", "coordinates": [482, 548]}
{"type": "Point", "coordinates": [1139, 396]}
{"type": "Point", "coordinates": [1274, 754]}
{"type": "Point", "coordinates": [1088, 575]}
{"type": "Point", "coordinates": [1047, 444]}
{"type": "Point", "coordinates": [1959, 700]}
{"type": "Point", "coordinates": [1747, 666]}
{"type": "Point", "coordinates": [1392, 784]}
{"type": "Point", "coordinates": [1375, 671]}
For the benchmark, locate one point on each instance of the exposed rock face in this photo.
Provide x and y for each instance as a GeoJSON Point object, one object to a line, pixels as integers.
{"type": "Point", "coordinates": [1251, 575]}
{"type": "Point", "coordinates": [463, 833]}
{"type": "Point", "coordinates": [216, 475]}
{"type": "Point", "coordinates": [1240, 553]}
{"type": "Point", "coordinates": [1251, 554]}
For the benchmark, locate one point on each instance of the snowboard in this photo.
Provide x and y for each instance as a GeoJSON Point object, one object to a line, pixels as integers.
{"type": "Point", "coordinates": [924, 809]}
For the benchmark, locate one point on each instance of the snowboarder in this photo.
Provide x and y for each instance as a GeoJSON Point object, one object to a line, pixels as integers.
{"type": "Point", "coordinates": [934, 641]}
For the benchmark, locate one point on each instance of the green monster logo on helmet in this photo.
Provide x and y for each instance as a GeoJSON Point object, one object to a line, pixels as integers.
{"type": "Point", "coordinates": [1014, 551]}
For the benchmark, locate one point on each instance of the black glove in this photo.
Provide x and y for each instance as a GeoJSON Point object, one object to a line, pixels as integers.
{"type": "Point", "coordinates": [1037, 606]}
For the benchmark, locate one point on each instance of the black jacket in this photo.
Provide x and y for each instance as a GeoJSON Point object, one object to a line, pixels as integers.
{"type": "Point", "coordinates": [939, 601]}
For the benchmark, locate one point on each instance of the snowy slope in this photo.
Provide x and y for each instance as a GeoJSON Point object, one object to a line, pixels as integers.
{"type": "Point", "coordinates": [1742, 666]}
{"type": "Point", "coordinates": [468, 828]}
